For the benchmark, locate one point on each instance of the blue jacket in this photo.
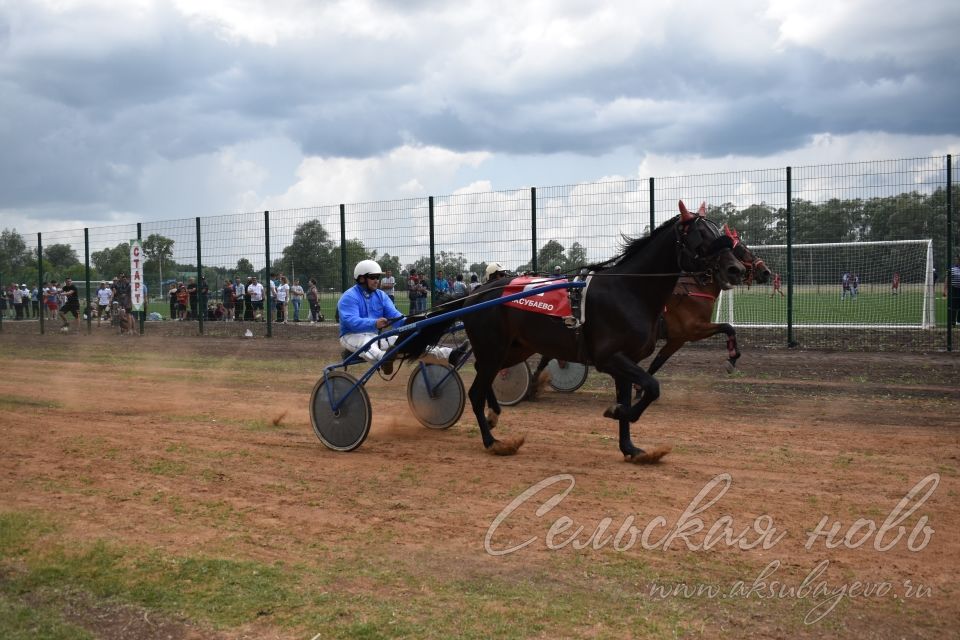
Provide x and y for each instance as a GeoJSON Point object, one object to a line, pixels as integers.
{"type": "Point", "coordinates": [360, 309]}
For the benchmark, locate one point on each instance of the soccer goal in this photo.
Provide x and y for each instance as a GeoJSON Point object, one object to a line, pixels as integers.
{"type": "Point", "coordinates": [879, 285]}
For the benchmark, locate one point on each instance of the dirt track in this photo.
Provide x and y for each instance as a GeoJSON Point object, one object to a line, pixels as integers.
{"type": "Point", "coordinates": [141, 436]}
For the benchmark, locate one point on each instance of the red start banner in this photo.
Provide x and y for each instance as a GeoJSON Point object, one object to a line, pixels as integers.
{"type": "Point", "coordinates": [551, 303]}
{"type": "Point", "coordinates": [136, 275]}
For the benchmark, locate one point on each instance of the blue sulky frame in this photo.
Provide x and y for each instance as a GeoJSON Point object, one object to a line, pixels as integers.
{"type": "Point", "coordinates": [408, 332]}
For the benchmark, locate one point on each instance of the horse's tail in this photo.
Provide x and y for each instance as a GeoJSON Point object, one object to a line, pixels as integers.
{"type": "Point", "coordinates": [430, 335]}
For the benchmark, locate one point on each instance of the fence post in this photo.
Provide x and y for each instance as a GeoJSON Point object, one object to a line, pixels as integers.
{"type": "Point", "coordinates": [343, 248]}
{"type": "Point", "coordinates": [267, 305]}
{"type": "Point", "coordinates": [433, 251]}
{"type": "Point", "coordinates": [201, 305]}
{"type": "Point", "coordinates": [143, 308]}
{"type": "Point", "coordinates": [791, 342]}
{"type": "Point", "coordinates": [533, 228]}
{"type": "Point", "coordinates": [86, 276]}
{"type": "Point", "coordinates": [40, 274]}
{"type": "Point", "coordinates": [3, 292]}
{"type": "Point", "coordinates": [653, 208]}
{"type": "Point", "coordinates": [952, 301]}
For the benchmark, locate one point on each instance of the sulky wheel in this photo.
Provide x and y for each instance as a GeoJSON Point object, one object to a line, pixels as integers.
{"type": "Point", "coordinates": [435, 394]}
{"type": "Point", "coordinates": [512, 384]}
{"type": "Point", "coordinates": [567, 377]}
{"type": "Point", "coordinates": [346, 428]}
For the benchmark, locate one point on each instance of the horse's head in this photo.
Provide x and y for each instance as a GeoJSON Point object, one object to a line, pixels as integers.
{"type": "Point", "coordinates": [757, 270]}
{"type": "Point", "coordinates": [703, 247]}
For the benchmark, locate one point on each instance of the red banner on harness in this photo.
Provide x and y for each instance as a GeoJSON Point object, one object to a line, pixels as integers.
{"type": "Point", "coordinates": [551, 303]}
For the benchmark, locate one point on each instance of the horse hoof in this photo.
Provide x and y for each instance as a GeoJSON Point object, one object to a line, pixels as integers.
{"type": "Point", "coordinates": [648, 457]}
{"type": "Point", "coordinates": [613, 411]}
{"type": "Point", "coordinates": [506, 447]}
{"type": "Point", "coordinates": [539, 384]}
{"type": "Point", "coordinates": [492, 419]}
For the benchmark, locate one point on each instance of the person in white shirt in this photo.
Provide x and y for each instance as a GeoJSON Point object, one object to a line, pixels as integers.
{"type": "Point", "coordinates": [388, 283]}
{"type": "Point", "coordinates": [296, 296]}
{"type": "Point", "coordinates": [104, 298]}
{"type": "Point", "coordinates": [240, 291]}
{"type": "Point", "coordinates": [283, 292]}
{"type": "Point", "coordinates": [255, 290]}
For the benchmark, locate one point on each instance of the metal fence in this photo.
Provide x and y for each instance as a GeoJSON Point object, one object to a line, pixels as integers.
{"type": "Point", "coordinates": [535, 229]}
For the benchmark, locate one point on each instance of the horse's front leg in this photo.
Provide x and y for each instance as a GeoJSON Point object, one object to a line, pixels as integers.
{"type": "Point", "coordinates": [733, 350]}
{"type": "Point", "coordinates": [626, 373]}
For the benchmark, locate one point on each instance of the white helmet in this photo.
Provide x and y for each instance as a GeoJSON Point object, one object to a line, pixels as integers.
{"type": "Point", "coordinates": [492, 268]}
{"type": "Point", "coordinates": [364, 267]}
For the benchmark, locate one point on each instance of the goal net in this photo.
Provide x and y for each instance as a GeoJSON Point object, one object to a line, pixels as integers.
{"type": "Point", "coordinates": [880, 285]}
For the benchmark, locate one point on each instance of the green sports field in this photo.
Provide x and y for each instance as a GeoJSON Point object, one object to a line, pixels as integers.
{"type": "Point", "coordinates": [822, 305]}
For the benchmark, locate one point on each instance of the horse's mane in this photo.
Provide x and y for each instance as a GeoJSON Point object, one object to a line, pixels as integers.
{"type": "Point", "coordinates": [630, 247]}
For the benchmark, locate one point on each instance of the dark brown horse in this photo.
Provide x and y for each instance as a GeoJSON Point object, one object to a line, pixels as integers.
{"type": "Point", "coordinates": [623, 299]}
{"type": "Point", "coordinates": [689, 312]}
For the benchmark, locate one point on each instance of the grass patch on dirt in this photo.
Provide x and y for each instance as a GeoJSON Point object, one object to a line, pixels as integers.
{"type": "Point", "coordinates": [12, 403]}
{"type": "Point", "coordinates": [374, 593]}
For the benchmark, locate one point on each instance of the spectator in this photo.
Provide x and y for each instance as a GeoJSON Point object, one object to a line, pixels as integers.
{"type": "Point", "coordinates": [34, 302]}
{"type": "Point", "coordinates": [104, 298]}
{"type": "Point", "coordinates": [845, 286]}
{"type": "Point", "coordinates": [192, 293]}
{"type": "Point", "coordinates": [172, 296]}
{"type": "Point", "coordinates": [387, 285]}
{"type": "Point", "coordinates": [313, 298]}
{"type": "Point", "coordinates": [474, 282]}
{"type": "Point", "coordinates": [365, 310]}
{"type": "Point", "coordinates": [53, 300]}
{"type": "Point", "coordinates": [247, 302]}
{"type": "Point", "coordinates": [183, 299]}
{"type": "Point", "coordinates": [122, 294]}
{"type": "Point", "coordinates": [203, 293]}
{"type": "Point", "coordinates": [283, 292]}
{"type": "Point", "coordinates": [255, 290]}
{"type": "Point", "coordinates": [296, 298]}
{"type": "Point", "coordinates": [239, 292]}
{"type": "Point", "coordinates": [71, 305]}
{"type": "Point", "coordinates": [459, 288]}
{"type": "Point", "coordinates": [440, 284]}
{"type": "Point", "coordinates": [17, 301]}
{"type": "Point", "coordinates": [229, 300]}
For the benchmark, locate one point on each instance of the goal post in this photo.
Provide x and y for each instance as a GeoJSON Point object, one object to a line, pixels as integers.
{"type": "Point", "coordinates": [879, 285]}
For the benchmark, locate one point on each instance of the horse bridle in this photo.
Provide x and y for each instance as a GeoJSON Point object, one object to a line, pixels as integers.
{"type": "Point", "coordinates": [710, 258]}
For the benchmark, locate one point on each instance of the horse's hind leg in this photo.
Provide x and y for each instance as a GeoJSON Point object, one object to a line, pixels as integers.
{"type": "Point", "coordinates": [664, 354]}
{"type": "Point", "coordinates": [481, 391]}
{"type": "Point", "coordinates": [539, 378]}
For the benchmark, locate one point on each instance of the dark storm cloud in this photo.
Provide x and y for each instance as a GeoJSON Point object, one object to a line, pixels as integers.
{"type": "Point", "coordinates": [81, 119]}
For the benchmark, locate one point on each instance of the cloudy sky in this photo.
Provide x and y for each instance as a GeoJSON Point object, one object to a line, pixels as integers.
{"type": "Point", "coordinates": [113, 111]}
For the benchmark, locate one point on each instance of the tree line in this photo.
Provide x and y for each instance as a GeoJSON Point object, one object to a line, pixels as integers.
{"type": "Point", "coordinates": [312, 252]}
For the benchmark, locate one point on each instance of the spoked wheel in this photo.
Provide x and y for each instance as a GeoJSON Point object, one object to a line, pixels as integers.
{"type": "Point", "coordinates": [512, 384]}
{"type": "Point", "coordinates": [346, 428]}
{"type": "Point", "coordinates": [435, 394]}
{"type": "Point", "coordinates": [567, 377]}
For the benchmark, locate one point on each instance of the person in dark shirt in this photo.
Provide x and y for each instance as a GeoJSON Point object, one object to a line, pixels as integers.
{"type": "Point", "coordinates": [72, 304]}
{"type": "Point", "coordinates": [192, 293]}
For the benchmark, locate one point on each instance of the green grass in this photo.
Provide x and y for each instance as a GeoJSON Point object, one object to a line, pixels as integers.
{"type": "Point", "coordinates": [366, 592]}
{"type": "Point", "coordinates": [822, 305]}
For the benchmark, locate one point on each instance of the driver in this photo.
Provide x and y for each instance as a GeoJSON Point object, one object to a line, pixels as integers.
{"type": "Point", "coordinates": [365, 310]}
{"type": "Point", "coordinates": [494, 271]}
